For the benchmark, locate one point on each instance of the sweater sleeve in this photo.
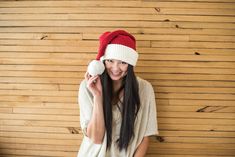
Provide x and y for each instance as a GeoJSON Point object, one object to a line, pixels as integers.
{"type": "Point", "coordinates": [87, 147]}
{"type": "Point", "coordinates": [152, 126]}
{"type": "Point", "coordinates": [86, 105]}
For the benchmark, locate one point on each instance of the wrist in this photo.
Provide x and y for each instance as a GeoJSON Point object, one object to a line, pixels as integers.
{"type": "Point", "coordinates": [98, 97]}
{"type": "Point", "coordinates": [97, 94]}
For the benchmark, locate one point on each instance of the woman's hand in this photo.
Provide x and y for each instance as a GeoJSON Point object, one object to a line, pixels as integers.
{"type": "Point", "coordinates": [94, 84]}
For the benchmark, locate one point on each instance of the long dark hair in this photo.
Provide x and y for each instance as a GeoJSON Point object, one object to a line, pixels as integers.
{"type": "Point", "coordinates": [129, 109]}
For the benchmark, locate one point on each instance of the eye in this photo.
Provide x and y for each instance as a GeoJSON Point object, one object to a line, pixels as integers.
{"type": "Point", "coordinates": [123, 63]}
{"type": "Point", "coordinates": [109, 60]}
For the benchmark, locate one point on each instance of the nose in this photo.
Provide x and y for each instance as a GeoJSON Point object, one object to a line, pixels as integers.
{"type": "Point", "coordinates": [115, 66]}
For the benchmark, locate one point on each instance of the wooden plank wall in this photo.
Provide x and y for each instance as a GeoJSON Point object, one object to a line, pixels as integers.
{"type": "Point", "coordinates": [187, 52]}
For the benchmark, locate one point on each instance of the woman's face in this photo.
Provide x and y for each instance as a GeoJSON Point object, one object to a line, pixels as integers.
{"type": "Point", "coordinates": [116, 69]}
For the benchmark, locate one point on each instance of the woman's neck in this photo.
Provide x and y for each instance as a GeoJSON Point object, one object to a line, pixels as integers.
{"type": "Point", "coordinates": [117, 85]}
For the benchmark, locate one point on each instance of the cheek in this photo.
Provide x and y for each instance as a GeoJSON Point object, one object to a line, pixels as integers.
{"type": "Point", "coordinates": [124, 68]}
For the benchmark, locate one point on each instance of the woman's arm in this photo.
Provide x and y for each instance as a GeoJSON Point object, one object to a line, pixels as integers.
{"type": "Point", "coordinates": [96, 126]}
{"type": "Point", "coordinates": [142, 148]}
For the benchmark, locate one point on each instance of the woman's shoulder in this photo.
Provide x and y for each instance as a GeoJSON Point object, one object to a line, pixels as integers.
{"type": "Point", "coordinates": [144, 85]}
{"type": "Point", "coordinates": [83, 88]}
{"type": "Point", "coordinates": [82, 84]}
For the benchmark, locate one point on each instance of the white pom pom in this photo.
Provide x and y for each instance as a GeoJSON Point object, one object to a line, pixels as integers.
{"type": "Point", "coordinates": [95, 67]}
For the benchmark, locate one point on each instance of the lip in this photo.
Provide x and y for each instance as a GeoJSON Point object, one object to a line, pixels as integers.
{"type": "Point", "coordinates": [115, 74]}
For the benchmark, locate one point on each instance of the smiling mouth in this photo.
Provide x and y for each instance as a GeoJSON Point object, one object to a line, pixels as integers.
{"type": "Point", "coordinates": [115, 74]}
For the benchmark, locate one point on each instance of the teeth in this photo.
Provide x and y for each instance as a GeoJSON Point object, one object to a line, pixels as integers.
{"type": "Point", "coordinates": [115, 73]}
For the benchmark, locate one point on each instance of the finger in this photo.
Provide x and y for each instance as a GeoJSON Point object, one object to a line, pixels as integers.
{"type": "Point", "coordinates": [98, 79]}
{"type": "Point", "coordinates": [93, 78]}
{"type": "Point", "coordinates": [86, 77]}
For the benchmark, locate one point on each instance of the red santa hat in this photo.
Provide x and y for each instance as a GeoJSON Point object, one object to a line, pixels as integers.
{"type": "Point", "coordinates": [119, 45]}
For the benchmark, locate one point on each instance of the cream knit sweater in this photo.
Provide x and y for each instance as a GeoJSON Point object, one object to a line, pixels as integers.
{"type": "Point", "coordinates": [145, 124]}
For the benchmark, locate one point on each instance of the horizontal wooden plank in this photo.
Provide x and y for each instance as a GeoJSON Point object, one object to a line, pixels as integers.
{"type": "Point", "coordinates": [46, 87]}
{"type": "Point", "coordinates": [66, 95]}
{"type": "Point", "coordinates": [41, 74]}
{"type": "Point", "coordinates": [41, 135]}
{"type": "Point", "coordinates": [192, 133]}
{"type": "Point", "coordinates": [10, 152]}
{"type": "Point", "coordinates": [88, 58]}
{"type": "Point", "coordinates": [160, 115]}
{"type": "Point", "coordinates": [66, 74]}
{"type": "Point", "coordinates": [226, 123]}
{"type": "Point", "coordinates": [140, 64]}
{"type": "Point", "coordinates": [160, 102]}
{"type": "Point", "coordinates": [61, 130]}
{"type": "Point", "coordinates": [188, 83]}
{"type": "Point", "coordinates": [40, 141]}
{"type": "Point", "coordinates": [39, 105]}
{"type": "Point", "coordinates": [47, 15]}
{"type": "Point", "coordinates": [193, 90]}
{"type": "Point", "coordinates": [191, 108]}
{"type": "Point", "coordinates": [162, 77]}
{"type": "Point", "coordinates": [195, 115]}
{"type": "Point", "coordinates": [46, 111]}
{"type": "Point", "coordinates": [32, 146]}
{"type": "Point", "coordinates": [5, 110]}
{"type": "Point", "coordinates": [168, 133]}
{"type": "Point", "coordinates": [196, 96]}
{"type": "Point", "coordinates": [186, 152]}
{"type": "Point", "coordinates": [195, 102]}
{"type": "Point", "coordinates": [51, 99]}
{"type": "Point", "coordinates": [39, 117]}
{"type": "Point", "coordinates": [75, 141]}
{"type": "Point", "coordinates": [69, 89]}
{"type": "Point", "coordinates": [207, 127]}
{"type": "Point", "coordinates": [189, 121]}
{"type": "Point", "coordinates": [199, 140]}
{"type": "Point", "coordinates": [45, 42]}
{"type": "Point", "coordinates": [101, 23]}
{"type": "Point", "coordinates": [33, 85]}
{"type": "Point", "coordinates": [186, 77]}
{"type": "Point", "coordinates": [192, 44]}
{"type": "Point", "coordinates": [53, 49]}
{"type": "Point", "coordinates": [120, 10]}
{"type": "Point", "coordinates": [163, 133]}
{"type": "Point", "coordinates": [172, 37]}
{"type": "Point", "coordinates": [76, 52]}
{"type": "Point", "coordinates": [119, 4]}
{"type": "Point", "coordinates": [78, 10]}
{"type": "Point", "coordinates": [41, 36]}
{"type": "Point", "coordinates": [193, 11]}
{"type": "Point", "coordinates": [203, 146]}
{"type": "Point", "coordinates": [40, 80]}
{"type": "Point", "coordinates": [133, 30]}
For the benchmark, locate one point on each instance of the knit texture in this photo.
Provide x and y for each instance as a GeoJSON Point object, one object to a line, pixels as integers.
{"type": "Point", "coordinates": [145, 125]}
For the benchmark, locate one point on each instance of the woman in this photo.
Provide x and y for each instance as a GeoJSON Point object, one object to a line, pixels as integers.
{"type": "Point", "coordinates": [117, 109]}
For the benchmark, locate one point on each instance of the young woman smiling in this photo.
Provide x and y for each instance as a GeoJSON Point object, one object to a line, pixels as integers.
{"type": "Point", "coordinates": [117, 109]}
